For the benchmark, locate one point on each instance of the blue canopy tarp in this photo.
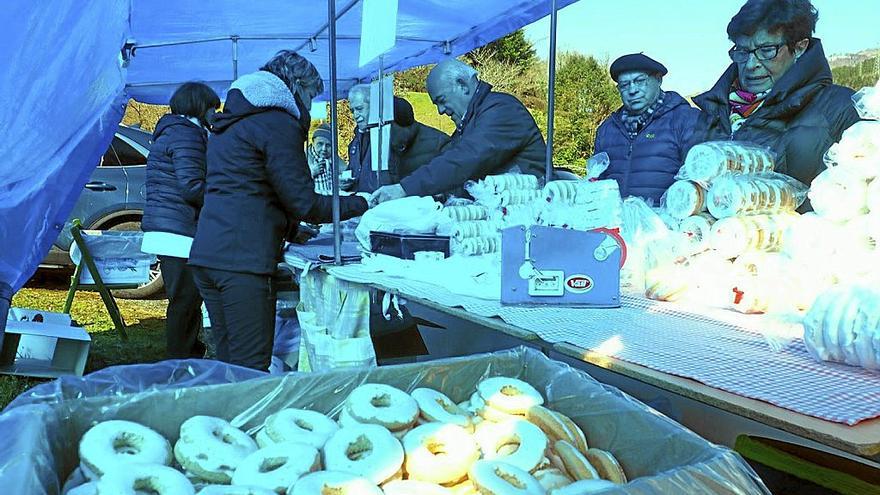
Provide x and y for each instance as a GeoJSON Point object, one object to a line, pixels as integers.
{"type": "Point", "coordinates": [70, 67]}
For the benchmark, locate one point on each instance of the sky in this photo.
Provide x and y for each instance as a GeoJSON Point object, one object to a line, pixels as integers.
{"type": "Point", "coordinates": [689, 37]}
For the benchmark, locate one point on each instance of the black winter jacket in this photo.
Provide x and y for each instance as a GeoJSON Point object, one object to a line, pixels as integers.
{"type": "Point", "coordinates": [175, 176]}
{"type": "Point", "coordinates": [258, 186]}
{"type": "Point", "coordinates": [646, 165]}
{"type": "Point", "coordinates": [497, 135]}
{"type": "Point", "coordinates": [425, 144]}
{"type": "Point", "coordinates": [801, 118]}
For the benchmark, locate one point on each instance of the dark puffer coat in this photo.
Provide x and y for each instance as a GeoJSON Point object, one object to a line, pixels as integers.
{"type": "Point", "coordinates": [645, 166]}
{"type": "Point", "coordinates": [175, 176]}
{"type": "Point", "coordinates": [801, 118]}
{"type": "Point", "coordinates": [259, 185]}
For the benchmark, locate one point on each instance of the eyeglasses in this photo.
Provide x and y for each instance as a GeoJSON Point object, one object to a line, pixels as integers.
{"type": "Point", "coordinates": [762, 53]}
{"type": "Point", "coordinates": [639, 82]}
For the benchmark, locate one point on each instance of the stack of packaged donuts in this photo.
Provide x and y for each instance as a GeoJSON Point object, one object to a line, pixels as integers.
{"type": "Point", "coordinates": [729, 203]}
{"type": "Point", "coordinates": [501, 440]}
{"type": "Point", "coordinates": [502, 201]}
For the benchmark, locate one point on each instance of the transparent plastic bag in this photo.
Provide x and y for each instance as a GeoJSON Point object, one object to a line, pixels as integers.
{"type": "Point", "coordinates": [466, 213]}
{"type": "Point", "coordinates": [581, 192]}
{"type": "Point", "coordinates": [641, 224]}
{"type": "Point", "coordinates": [839, 194]}
{"type": "Point", "coordinates": [733, 236]}
{"type": "Point", "coordinates": [581, 217]}
{"type": "Point", "coordinates": [658, 454]}
{"type": "Point", "coordinates": [697, 228]}
{"type": "Point", "coordinates": [475, 246]}
{"type": "Point", "coordinates": [733, 195]}
{"type": "Point", "coordinates": [488, 190]}
{"type": "Point", "coordinates": [518, 196]}
{"type": "Point", "coordinates": [478, 228]}
{"type": "Point", "coordinates": [117, 255]}
{"type": "Point", "coordinates": [511, 216]}
{"type": "Point", "coordinates": [646, 237]}
{"type": "Point", "coordinates": [843, 326]}
{"type": "Point", "coordinates": [772, 283]}
{"type": "Point", "coordinates": [706, 161]}
{"type": "Point", "coordinates": [867, 102]}
{"type": "Point", "coordinates": [858, 150]}
{"type": "Point", "coordinates": [683, 199]}
{"type": "Point", "coordinates": [597, 165]}
{"type": "Point", "coordinates": [874, 197]}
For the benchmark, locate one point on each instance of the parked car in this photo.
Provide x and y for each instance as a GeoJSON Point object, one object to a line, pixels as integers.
{"type": "Point", "coordinates": [113, 199]}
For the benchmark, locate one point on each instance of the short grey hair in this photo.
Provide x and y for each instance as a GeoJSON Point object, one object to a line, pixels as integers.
{"type": "Point", "coordinates": [293, 68]}
{"type": "Point", "coordinates": [360, 89]}
{"type": "Point", "coordinates": [454, 70]}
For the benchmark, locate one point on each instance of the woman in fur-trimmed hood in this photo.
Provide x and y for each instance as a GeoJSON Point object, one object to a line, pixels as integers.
{"type": "Point", "coordinates": [259, 188]}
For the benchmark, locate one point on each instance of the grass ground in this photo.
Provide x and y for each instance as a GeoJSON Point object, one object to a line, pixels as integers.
{"type": "Point", "coordinates": [145, 321]}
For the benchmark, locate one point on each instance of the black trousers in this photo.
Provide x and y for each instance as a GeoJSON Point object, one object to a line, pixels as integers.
{"type": "Point", "coordinates": [183, 318]}
{"type": "Point", "coordinates": [241, 307]}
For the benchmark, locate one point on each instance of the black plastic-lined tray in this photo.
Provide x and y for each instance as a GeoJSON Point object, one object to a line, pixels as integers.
{"type": "Point", "coordinates": [405, 246]}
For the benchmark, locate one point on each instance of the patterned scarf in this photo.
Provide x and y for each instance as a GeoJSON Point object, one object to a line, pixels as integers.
{"type": "Point", "coordinates": [743, 104]}
{"type": "Point", "coordinates": [635, 123]}
{"type": "Point", "coordinates": [324, 178]}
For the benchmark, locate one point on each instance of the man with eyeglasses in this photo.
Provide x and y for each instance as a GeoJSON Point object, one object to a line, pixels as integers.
{"type": "Point", "coordinates": [778, 91]}
{"type": "Point", "coordinates": [647, 138]}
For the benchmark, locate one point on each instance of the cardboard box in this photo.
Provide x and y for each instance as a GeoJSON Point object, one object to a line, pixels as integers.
{"type": "Point", "coordinates": [43, 344]}
{"type": "Point", "coordinates": [659, 455]}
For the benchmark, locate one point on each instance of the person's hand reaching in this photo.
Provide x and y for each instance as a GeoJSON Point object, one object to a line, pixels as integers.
{"type": "Point", "coordinates": [387, 193]}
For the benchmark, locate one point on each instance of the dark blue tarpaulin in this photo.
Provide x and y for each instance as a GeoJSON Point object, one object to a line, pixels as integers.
{"type": "Point", "coordinates": [69, 66]}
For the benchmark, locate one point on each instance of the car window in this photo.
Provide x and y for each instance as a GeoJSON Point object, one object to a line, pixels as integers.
{"type": "Point", "coordinates": [121, 153]}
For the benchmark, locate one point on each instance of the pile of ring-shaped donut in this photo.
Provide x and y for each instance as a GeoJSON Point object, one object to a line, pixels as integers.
{"type": "Point", "coordinates": [501, 441]}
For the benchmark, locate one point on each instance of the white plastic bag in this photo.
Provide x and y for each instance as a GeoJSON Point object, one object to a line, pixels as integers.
{"type": "Point", "coordinates": [413, 215]}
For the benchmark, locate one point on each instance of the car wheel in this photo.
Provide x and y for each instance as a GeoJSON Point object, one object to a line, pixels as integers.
{"type": "Point", "coordinates": [151, 289]}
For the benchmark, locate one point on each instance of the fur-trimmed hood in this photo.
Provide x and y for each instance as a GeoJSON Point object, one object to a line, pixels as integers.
{"type": "Point", "coordinates": [254, 93]}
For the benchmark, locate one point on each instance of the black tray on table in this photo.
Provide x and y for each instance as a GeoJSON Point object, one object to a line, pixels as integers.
{"type": "Point", "coordinates": [405, 246]}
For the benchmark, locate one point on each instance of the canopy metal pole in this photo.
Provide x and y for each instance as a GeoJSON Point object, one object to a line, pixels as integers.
{"type": "Point", "coordinates": [551, 93]}
{"type": "Point", "coordinates": [234, 58]}
{"type": "Point", "coordinates": [334, 139]}
{"type": "Point", "coordinates": [5, 300]}
{"type": "Point", "coordinates": [381, 119]}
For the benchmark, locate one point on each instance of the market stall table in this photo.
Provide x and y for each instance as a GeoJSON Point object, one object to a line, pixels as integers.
{"type": "Point", "coordinates": [717, 414]}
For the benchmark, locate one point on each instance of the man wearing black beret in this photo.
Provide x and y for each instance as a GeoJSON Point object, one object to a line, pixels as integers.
{"type": "Point", "coordinates": [648, 138]}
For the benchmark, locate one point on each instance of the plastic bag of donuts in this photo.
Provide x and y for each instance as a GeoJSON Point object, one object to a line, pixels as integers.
{"type": "Point", "coordinates": [733, 236]}
{"type": "Point", "coordinates": [733, 195]}
{"type": "Point", "coordinates": [683, 199]}
{"type": "Point", "coordinates": [857, 150]}
{"type": "Point", "coordinates": [712, 159]}
{"type": "Point", "coordinates": [478, 245]}
{"type": "Point", "coordinates": [840, 194]}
